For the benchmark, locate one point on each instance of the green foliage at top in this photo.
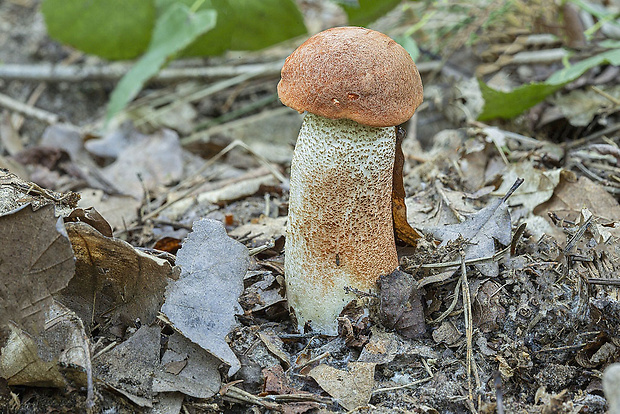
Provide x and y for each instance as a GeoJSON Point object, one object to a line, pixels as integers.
{"type": "Point", "coordinates": [362, 12]}
{"type": "Point", "coordinates": [498, 104]}
{"type": "Point", "coordinates": [113, 29]}
{"type": "Point", "coordinates": [245, 25]}
{"type": "Point", "coordinates": [122, 29]}
{"type": "Point", "coordinates": [173, 32]}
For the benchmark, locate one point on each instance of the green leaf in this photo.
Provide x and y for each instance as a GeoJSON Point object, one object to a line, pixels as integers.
{"type": "Point", "coordinates": [246, 25]}
{"type": "Point", "coordinates": [259, 24]}
{"type": "Point", "coordinates": [113, 29]}
{"type": "Point", "coordinates": [571, 73]}
{"type": "Point", "coordinates": [410, 45]}
{"type": "Point", "coordinates": [174, 31]}
{"type": "Point", "coordinates": [498, 104]}
{"type": "Point", "coordinates": [362, 12]}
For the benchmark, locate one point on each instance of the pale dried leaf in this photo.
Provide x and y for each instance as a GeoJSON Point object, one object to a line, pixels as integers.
{"type": "Point", "coordinates": [537, 187]}
{"type": "Point", "coordinates": [49, 359]}
{"type": "Point", "coordinates": [202, 304]}
{"type": "Point", "coordinates": [480, 230]}
{"type": "Point", "coordinates": [148, 163]}
{"type": "Point", "coordinates": [129, 367]}
{"type": "Point", "coordinates": [199, 376]}
{"type": "Point", "coordinates": [118, 210]}
{"type": "Point", "coordinates": [351, 388]}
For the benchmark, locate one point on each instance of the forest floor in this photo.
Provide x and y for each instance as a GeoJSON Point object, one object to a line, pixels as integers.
{"type": "Point", "coordinates": [526, 323]}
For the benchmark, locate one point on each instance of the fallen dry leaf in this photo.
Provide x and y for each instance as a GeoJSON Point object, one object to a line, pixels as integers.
{"type": "Point", "coordinates": [571, 196]}
{"type": "Point", "coordinates": [113, 280]}
{"type": "Point", "coordinates": [36, 261]}
{"type": "Point", "coordinates": [480, 230]}
{"type": "Point", "coordinates": [128, 368]}
{"type": "Point", "coordinates": [401, 304]}
{"type": "Point", "coordinates": [538, 185]}
{"type": "Point", "coordinates": [118, 210]}
{"type": "Point", "coordinates": [384, 347]}
{"type": "Point", "coordinates": [402, 228]}
{"type": "Point", "coordinates": [202, 304]}
{"type": "Point", "coordinates": [352, 388]}
{"type": "Point", "coordinates": [488, 313]}
{"type": "Point", "coordinates": [91, 217]}
{"type": "Point", "coordinates": [147, 163]}
{"type": "Point", "coordinates": [187, 368]}
{"type": "Point", "coordinates": [56, 357]}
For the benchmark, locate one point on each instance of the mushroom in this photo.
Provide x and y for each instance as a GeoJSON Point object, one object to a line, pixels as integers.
{"type": "Point", "coordinates": [356, 85]}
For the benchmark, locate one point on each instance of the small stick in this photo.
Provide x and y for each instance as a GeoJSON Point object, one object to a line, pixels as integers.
{"type": "Point", "coordinates": [74, 73]}
{"type": "Point", "coordinates": [452, 305]}
{"type": "Point", "coordinates": [499, 393]}
{"type": "Point", "coordinates": [28, 110]}
{"type": "Point", "coordinates": [312, 360]}
{"type": "Point", "coordinates": [469, 330]}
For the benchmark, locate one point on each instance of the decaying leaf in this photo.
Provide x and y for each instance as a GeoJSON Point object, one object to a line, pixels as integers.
{"type": "Point", "coordinates": [118, 210]}
{"type": "Point", "coordinates": [36, 261]}
{"type": "Point", "coordinates": [538, 185]}
{"type": "Point", "coordinates": [480, 230]}
{"type": "Point", "coordinates": [447, 333]}
{"type": "Point", "coordinates": [113, 280]}
{"type": "Point", "coordinates": [488, 313]}
{"type": "Point", "coordinates": [401, 304]}
{"type": "Point", "coordinates": [351, 388]}
{"type": "Point", "coordinates": [202, 304]}
{"type": "Point", "coordinates": [277, 383]}
{"type": "Point", "coordinates": [402, 228]}
{"type": "Point", "coordinates": [580, 106]}
{"type": "Point", "coordinates": [187, 368]}
{"type": "Point", "coordinates": [148, 162]}
{"type": "Point", "coordinates": [571, 196]}
{"type": "Point", "coordinates": [384, 347]}
{"type": "Point", "coordinates": [128, 368]}
{"type": "Point", "coordinates": [58, 356]}
{"type": "Point", "coordinates": [91, 217]}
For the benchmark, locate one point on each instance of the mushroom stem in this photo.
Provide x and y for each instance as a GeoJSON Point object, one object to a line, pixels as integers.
{"type": "Point", "coordinates": [340, 229]}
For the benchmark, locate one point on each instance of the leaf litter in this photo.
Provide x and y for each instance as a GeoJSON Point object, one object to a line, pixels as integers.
{"type": "Point", "coordinates": [503, 316]}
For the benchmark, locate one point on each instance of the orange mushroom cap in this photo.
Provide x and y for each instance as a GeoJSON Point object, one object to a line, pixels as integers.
{"type": "Point", "coordinates": [354, 73]}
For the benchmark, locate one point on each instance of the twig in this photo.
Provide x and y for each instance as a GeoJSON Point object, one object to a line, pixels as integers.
{"type": "Point", "coordinates": [601, 281]}
{"type": "Point", "coordinates": [573, 240]}
{"type": "Point", "coordinates": [298, 398]}
{"type": "Point", "coordinates": [110, 346]}
{"type": "Point", "coordinates": [313, 360]}
{"type": "Point", "coordinates": [512, 189]}
{"type": "Point", "coordinates": [605, 95]}
{"type": "Point", "coordinates": [234, 394]}
{"type": "Point", "coordinates": [457, 263]}
{"type": "Point", "coordinates": [499, 392]}
{"type": "Point", "coordinates": [400, 387]}
{"type": "Point", "coordinates": [74, 73]}
{"type": "Point", "coordinates": [448, 311]}
{"type": "Point", "coordinates": [592, 137]}
{"type": "Point", "coordinates": [469, 328]}
{"type": "Point", "coordinates": [28, 110]}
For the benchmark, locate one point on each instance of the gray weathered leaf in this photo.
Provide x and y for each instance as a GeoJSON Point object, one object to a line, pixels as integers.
{"type": "Point", "coordinates": [202, 304]}
{"type": "Point", "coordinates": [480, 230]}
